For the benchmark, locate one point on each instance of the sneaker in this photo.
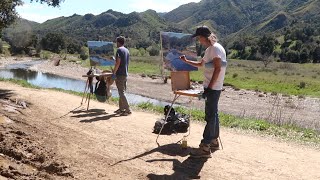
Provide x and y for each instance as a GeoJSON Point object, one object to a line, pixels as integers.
{"type": "Point", "coordinates": [214, 145]}
{"type": "Point", "coordinates": [126, 113]}
{"type": "Point", "coordinates": [119, 111]}
{"type": "Point", "coordinates": [202, 152]}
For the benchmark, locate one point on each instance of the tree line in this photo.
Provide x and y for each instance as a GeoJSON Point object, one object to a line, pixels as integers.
{"type": "Point", "coordinates": [297, 45]}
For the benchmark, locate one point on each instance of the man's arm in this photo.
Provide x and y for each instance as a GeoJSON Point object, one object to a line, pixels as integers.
{"type": "Point", "coordinates": [216, 72]}
{"type": "Point", "coordinates": [117, 64]}
{"type": "Point", "coordinates": [192, 63]}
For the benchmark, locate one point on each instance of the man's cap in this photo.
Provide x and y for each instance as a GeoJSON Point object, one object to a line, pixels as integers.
{"type": "Point", "coordinates": [202, 31]}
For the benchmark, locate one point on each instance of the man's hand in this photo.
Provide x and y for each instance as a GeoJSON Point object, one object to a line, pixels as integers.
{"type": "Point", "coordinates": [113, 77]}
{"type": "Point", "coordinates": [183, 58]}
{"type": "Point", "coordinates": [205, 93]}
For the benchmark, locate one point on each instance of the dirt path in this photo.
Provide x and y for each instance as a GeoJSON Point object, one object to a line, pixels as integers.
{"type": "Point", "coordinates": [100, 145]}
{"type": "Point", "coordinates": [275, 108]}
{"type": "Point", "coordinates": [304, 112]}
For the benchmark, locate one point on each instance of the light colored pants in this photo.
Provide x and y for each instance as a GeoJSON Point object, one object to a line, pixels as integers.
{"type": "Point", "coordinates": [121, 83]}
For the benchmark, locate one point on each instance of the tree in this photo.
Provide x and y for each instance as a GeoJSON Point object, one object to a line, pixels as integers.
{"type": "Point", "coordinates": [304, 55]}
{"type": "Point", "coordinates": [266, 45]}
{"type": "Point", "coordinates": [53, 42]}
{"type": "Point", "coordinates": [316, 55]}
{"type": "Point", "coordinates": [8, 13]}
{"type": "Point", "coordinates": [21, 41]}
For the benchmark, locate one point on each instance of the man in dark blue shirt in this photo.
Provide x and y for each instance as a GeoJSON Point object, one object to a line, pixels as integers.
{"type": "Point", "coordinates": [120, 71]}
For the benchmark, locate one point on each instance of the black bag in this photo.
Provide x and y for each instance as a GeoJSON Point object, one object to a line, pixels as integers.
{"type": "Point", "coordinates": [167, 127]}
{"type": "Point", "coordinates": [181, 124]}
{"type": "Point", "coordinates": [176, 123]}
{"type": "Point", "coordinates": [101, 91]}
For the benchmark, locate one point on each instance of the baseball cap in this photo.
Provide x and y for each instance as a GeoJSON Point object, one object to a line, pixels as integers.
{"type": "Point", "coordinates": [202, 31]}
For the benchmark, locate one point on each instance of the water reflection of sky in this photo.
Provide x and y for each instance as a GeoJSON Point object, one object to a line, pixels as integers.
{"type": "Point", "coordinates": [47, 80]}
{"type": "Point", "coordinates": [177, 35]}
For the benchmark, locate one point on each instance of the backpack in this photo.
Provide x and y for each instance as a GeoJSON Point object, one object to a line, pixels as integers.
{"type": "Point", "coordinates": [176, 123]}
{"type": "Point", "coordinates": [100, 90]}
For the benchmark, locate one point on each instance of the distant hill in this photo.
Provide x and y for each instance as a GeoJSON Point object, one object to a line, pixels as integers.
{"type": "Point", "coordinates": [139, 27]}
{"type": "Point", "coordinates": [143, 28]}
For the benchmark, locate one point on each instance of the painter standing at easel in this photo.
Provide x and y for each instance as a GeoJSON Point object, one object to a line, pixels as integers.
{"type": "Point", "coordinates": [120, 74]}
{"type": "Point", "coordinates": [214, 63]}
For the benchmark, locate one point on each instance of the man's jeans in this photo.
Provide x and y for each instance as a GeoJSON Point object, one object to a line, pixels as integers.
{"type": "Point", "coordinates": [211, 130]}
{"type": "Point", "coordinates": [121, 83]}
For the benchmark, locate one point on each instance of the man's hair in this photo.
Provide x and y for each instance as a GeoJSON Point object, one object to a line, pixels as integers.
{"type": "Point", "coordinates": [120, 40]}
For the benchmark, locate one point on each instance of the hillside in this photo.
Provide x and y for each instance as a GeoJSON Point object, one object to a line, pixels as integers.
{"type": "Point", "coordinates": [246, 16]}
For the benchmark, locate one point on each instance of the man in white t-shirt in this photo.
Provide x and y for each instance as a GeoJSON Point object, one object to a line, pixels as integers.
{"type": "Point", "coordinates": [214, 63]}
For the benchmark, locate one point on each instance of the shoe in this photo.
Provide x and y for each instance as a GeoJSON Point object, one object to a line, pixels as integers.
{"type": "Point", "coordinates": [126, 113]}
{"type": "Point", "coordinates": [214, 145]}
{"type": "Point", "coordinates": [202, 152]}
{"type": "Point", "coordinates": [119, 111]}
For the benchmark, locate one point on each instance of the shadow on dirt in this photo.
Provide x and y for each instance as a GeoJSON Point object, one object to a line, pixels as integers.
{"type": "Point", "coordinates": [188, 169]}
{"type": "Point", "coordinates": [93, 115]}
{"type": "Point", "coordinates": [5, 94]}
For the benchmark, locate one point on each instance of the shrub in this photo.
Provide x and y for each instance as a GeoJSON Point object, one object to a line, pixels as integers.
{"type": "Point", "coordinates": [235, 75]}
{"type": "Point", "coordinates": [302, 85]}
{"type": "Point", "coordinates": [153, 51]}
{"type": "Point", "coordinates": [1, 47]}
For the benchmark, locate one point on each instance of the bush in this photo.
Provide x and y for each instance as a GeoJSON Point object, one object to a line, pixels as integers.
{"type": "Point", "coordinates": [142, 51]}
{"type": "Point", "coordinates": [134, 52]}
{"type": "Point", "coordinates": [83, 53]}
{"type": "Point", "coordinates": [84, 56]}
{"type": "Point", "coordinates": [153, 51]}
{"type": "Point", "coordinates": [235, 75]}
{"type": "Point", "coordinates": [1, 47]}
{"type": "Point", "coordinates": [302, 85]}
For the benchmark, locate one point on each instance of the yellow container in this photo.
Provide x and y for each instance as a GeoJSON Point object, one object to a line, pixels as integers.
{"type": "Point", "coordinates": [184, 143]}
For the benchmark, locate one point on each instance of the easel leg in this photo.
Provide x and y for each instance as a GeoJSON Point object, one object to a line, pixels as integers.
{"type": "Point", "coordinates": [189, 129]}
{"type": "Point", "coordinates": [165, 120]}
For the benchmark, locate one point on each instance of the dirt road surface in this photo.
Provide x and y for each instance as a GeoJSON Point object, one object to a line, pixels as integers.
{"type": "Point", "coordinates": [46, 140]}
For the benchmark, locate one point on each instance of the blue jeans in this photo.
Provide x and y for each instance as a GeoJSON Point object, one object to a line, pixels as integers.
{"type": "Point", "coordinates": [211, 131]}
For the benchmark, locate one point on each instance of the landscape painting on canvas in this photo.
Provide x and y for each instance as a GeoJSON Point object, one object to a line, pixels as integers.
{"type": "Point", "coordinates": [101, 53]}
{"type": "Point", "coordinates": [173, 45]}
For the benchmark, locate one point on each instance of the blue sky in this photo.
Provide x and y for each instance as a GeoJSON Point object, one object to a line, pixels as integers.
{"type": "Point", "coordinates": [41, 12]}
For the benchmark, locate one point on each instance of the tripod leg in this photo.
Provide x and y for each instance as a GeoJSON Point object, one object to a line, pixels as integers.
{"type": "Point", "coordinates": [85, 90]}
{"type": "Point", "coordinates": [88, 101]}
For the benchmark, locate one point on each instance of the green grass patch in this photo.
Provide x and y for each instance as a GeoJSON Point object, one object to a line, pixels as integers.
{"type": "Point", "coordinates": [22, 83]}
{"type": "Point", "coordinates": [290, 132]}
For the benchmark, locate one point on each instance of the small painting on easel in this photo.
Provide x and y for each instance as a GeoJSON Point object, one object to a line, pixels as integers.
{"type": "Point", "coordinates": [101, 53]}
{"type": "Point", "coordinates": [173, 45]}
